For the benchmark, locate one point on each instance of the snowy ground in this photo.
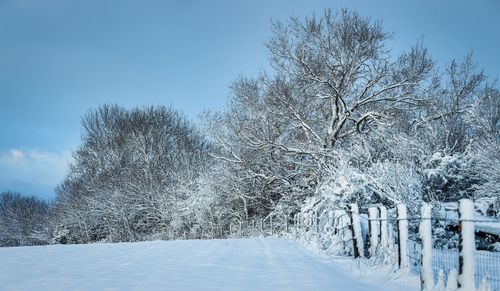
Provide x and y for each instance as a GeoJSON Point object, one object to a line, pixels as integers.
{"type": "Point", "coordinates": [233, 264]}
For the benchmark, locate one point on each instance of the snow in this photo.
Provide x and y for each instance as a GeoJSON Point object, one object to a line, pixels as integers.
{"type": "Point", "coordinates": [425, 231]}
{"type": "Point", "coordinates": [492, 227]}
{"type": "Point", "coordinates": [468, 247]}
{"type": "Point", "coordinates": [485, 286]}
{"type": "Point", "coordinates": [440, 281]}
{"type": "Point", "coordinates": [451, 283]}
{"type": "Point", "coordinates": [232, 264]}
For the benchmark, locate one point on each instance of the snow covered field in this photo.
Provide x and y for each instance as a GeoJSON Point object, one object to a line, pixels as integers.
{"type": "Point", "coordinates": [233, 264]}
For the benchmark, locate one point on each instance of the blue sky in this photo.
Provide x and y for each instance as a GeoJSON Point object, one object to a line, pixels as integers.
{"type": "Point", "coordinates": [58, 58]}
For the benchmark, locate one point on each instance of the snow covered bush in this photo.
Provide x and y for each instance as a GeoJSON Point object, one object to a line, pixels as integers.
{"type": "Point", "coordinates": [327, 229]}
{"type": "Point", "coordinates": [449, 177]}
{"type": "Point", "coordinates": [205, 207]}
{"type": "Point", "coordinates": [388, 183]}
{"type": "Point", "coordinates": [489, 205]}
{"type": "Point", "coordinates": [473, 174]}
{"type": "Point", "coordinates": [486, 154]}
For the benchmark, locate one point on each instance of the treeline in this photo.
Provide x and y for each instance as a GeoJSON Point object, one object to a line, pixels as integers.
{"type": "Point", "coordinates": [23, 220]}
{"type": "Point", "coordinates": [339, 119]}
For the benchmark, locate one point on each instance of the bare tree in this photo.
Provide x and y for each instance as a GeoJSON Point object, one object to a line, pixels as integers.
{"type": "Point", "coordinates": [125, 182]}
{"type": "Point", "coordinates": [23, 220]}
{"type": "Point", "coordinates": [334, 79]}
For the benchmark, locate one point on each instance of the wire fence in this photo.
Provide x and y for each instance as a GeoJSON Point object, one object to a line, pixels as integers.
{"type": "Point", "coordinates": [336, 230]}
{"type": "Point", "coordinates": [487, 263]}
{"type": "Point", "coordinates": [445, 251]}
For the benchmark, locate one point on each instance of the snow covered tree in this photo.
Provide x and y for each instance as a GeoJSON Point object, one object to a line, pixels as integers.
{"type": "Point", "coordinates": [334, 79]}
{"type": "Point", "coordinates": [23, 220]}
{"type": "Point", "coordinates": [455, 94]}
{"type": "Point", "coordinates": [130, 174]}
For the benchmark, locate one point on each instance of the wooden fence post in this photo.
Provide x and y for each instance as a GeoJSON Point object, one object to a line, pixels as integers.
{"type": "Point", "coordinates": [374, 228]}
{"type": "Point", "coordinates": [383, 227]}
{"type": "Point", "coordinates": [355, 226]}
{"type": "Point", "coordinates": [467, 246]}
{"type": "Point", "coordinates": [402, 236]}
{"type": "Point", "coordinates": [425, 231]}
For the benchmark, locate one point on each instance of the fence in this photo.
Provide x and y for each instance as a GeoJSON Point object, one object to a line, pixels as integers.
{"type": "Point", "coordinates": [447, 259]}
{"type": "Point", "coordinates": [428, 246]}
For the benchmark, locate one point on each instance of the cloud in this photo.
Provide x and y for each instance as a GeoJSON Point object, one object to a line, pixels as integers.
{"type": "Point", "coordinates": [16, 155]}
{"type": "Point", "coordinates": [33, 170]}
